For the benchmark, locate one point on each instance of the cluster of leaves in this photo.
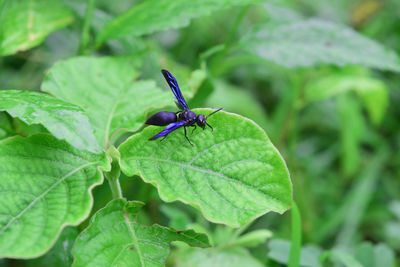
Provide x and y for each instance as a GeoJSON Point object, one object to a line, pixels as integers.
{"type": "Point", "coordinates": [86, 122]}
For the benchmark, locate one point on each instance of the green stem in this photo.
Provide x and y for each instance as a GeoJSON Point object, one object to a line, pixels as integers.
{"type": "Point", "coordinates": [295, 248]}
{"type": "Point", "coordinates": [113, 175]}
{"type": "Point", "coordinates": [232, 32]}
{"type": "Point", "coordinates": [115, 187]}
{"type": "Point", "coordinates": [228, 40]}
{"type": "Point", "coordinates": [85, 36]}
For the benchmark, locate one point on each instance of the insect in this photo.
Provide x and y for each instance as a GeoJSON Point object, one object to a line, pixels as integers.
{"type": "Point", "coordinates": [175, 120]}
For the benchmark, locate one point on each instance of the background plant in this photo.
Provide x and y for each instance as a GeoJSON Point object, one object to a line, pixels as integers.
{"type": "Point", "coordinates": [319, 78]}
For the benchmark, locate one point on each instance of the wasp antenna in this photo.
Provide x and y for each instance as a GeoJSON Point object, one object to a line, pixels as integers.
{"type": "Point", "coordinates": [215, 111]}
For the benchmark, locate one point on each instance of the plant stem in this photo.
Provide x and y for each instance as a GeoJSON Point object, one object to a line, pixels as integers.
{"type": "Point", "coordinates": [85, 36]}
{"type": "Point", "coordinates": [113, 175]}
{"type": "Point", "coordinates": [115, 188]}
{"type": "Point", "coordinates": [295, 248]}
{"type": "Point", "coordinates": [234, 29]}
{"type": "Point", "coordinates": [219, 57]}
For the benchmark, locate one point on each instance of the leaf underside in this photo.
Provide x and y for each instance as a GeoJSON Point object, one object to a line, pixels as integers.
{"type": "Point", "coordinates": [157, 15]}
{"type": "Point", "coordinates": [314, 42]}
{"type": "Point", "coordinates": [63, 120]}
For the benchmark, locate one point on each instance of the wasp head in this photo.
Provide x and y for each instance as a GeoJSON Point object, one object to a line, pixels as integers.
{"type": "Point", "coordinates": [201, 120]}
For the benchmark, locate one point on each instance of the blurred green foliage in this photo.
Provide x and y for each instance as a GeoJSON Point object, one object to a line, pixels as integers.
{"type": "Point", "coordinates": [321, 77]}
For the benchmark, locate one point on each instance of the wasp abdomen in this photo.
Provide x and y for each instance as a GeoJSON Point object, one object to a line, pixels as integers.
{"type": "Point", "coordinates": [162, 118]}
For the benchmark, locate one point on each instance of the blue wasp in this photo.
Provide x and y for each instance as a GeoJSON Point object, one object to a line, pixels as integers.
{"type": "Point", "coordinates": [175, 120]}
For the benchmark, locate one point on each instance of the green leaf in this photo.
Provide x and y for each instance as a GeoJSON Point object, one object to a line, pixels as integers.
{"type": "Point", "coordinates": [114, 238]}
{"type": "Point", "coordinates": [394, 207]}
{"type": "Point", "coordinates": [178, 218]}
{"type": "Point", "coordinates": [158, 15]}
{"type": "Point", "coordinates": [45, 185]}
{"type": "Point", "coordinates": [384, 255]}
{"type": "Point", "coordinates": [373, 92]}
{"type": "Point", "coordinates": [252, 239]}
{"type": "Point", "coordinates": [233, 174]}
{"type": "Point", "coordinates": [279, 251]}
{"type": "Point", "coordinates": [345, 258]}
{"type": "Point", "coordinates": [62, 119]}
{"type": "Point", "coordinates": [351, 131]}
{"type": "Point", "coordinates": [60, 255]}
{"type": "Point", "coordinates": [277, 12]}
{"type": "Point", "coordinates": [106, 89]}
{"type": "Point", "coordinates": [315, 42]}
{"type": "Point", "coordinates": [215, 257]}
{"type": "Point", "coordinates": [6, 128]}
{"type": "Point", "coordinates": [26, 23]}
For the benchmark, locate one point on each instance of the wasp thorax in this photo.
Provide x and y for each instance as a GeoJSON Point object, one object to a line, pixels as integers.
{"type": "Point", "coordinates": [188, 115]}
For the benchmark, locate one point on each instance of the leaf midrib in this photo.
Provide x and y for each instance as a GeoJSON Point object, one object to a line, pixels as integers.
{"type": "Point", "coordinates": [133, 236]}
{"type": "Point", "coordinates": [198, 168]}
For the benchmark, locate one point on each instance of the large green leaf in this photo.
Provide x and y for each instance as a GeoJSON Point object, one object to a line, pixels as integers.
{"type": "Point", "coordinates": [157, 15]}
{"type": "Point", "coordinates": [62, 119]}
{"type": "Point", "coordinates": [114, 238]}
{"type": "Point", "coordinates": [233, 174]}
{"type": "Point", "coordinates": [26, 23]}
{"type": "Point", "coordinates": [106, 89]}
{"type": "Point", "coordinates": [314, 42]}
{"type": "Point", "coordinates": [45, 184]}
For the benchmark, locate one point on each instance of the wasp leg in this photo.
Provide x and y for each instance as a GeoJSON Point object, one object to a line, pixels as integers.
{"type": "Point", "coordinates": [187, 138]}
{"type": "Point", "coordinates": [194, 128]}
{"type": "Point", "coordinates": [212, 129]}
{"type": "Point", "coordinates": [164, 138]}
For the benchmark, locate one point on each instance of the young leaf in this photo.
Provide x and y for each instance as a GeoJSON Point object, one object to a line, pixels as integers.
{"type": "Point", "coordinates": [114, 238]}
{"type": "Point", "coordinates": [314, 42]}
{"type": "Point", "coordinates": [45, 185]}
{"type": "Point", "coordinates": [233, 174]}
{"type": "Point", "coordinates": [26, 23]}
{"type": "Point", "coordinates": [215, 257]}
{"type": "Point", "coordinates": [158, 15]}
{"type": "Point", "coordinates": [341, 256]}
{"type": "Point", "coordinates": [62, 119]}
{"type": "Point", "coordinates": [374, 256]}
{"type": "Point", "coordinates": [252, 239]}
{"type": "Point", "coordinates": [373, 92]}
{"type": "Point", "coordinates": [106, 90]}
{"type": "Point", "coordinates": [352, 126]}
{"type": "Point", "coordinates": [279, 250]}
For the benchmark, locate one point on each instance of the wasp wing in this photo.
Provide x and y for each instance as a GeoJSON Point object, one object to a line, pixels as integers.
{"type": "Point", "coordinates": [170, 128]}
{"type": "Point", "coordinates": [179, 100]}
